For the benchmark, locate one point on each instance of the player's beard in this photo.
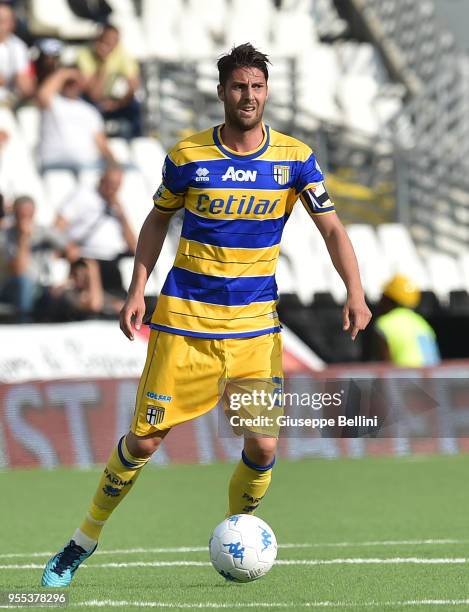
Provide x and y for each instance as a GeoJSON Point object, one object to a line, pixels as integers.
{"type": "Point", "coordinates": [243, 124]}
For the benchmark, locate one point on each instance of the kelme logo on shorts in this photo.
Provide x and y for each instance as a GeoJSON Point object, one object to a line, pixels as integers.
{"type": "Point", "coordinates": [159, 396]}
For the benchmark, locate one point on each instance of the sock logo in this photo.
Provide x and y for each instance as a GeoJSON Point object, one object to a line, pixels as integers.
{"type": "Point", "coordinates": [250, 498]}
{"type": "Point", "coordinates": [115, 480]}
{"type": "Point", "coordinates": [155, 415]}
{"type": "Point", "coordinates": [253, 502]}
{"type": "Point", "coordinates": [111, 491]}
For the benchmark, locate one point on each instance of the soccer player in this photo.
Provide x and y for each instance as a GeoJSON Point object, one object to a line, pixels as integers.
{"type": "Point", "coordinates": [215, 318]}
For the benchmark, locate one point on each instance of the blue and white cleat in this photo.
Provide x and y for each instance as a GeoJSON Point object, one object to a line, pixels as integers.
{"type": "Point", "coordinates": [60, 569]}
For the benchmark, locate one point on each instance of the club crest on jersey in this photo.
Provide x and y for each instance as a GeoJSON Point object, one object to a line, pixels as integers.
{"type": "Point", "coordinates": [155, 415]}
{"type": "Point", "coordinates": [281, 174]}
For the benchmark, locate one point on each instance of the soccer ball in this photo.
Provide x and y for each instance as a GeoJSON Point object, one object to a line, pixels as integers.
{"type": "Point", "coordinates": [243, 548]}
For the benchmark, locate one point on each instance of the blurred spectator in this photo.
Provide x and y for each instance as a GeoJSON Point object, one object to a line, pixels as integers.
{"type": "Point", "coordinates": [2, 212]}
{"type": "Point", "coordinates": [96, 10]}
{"type": "Point", "coordinates": [112, 78]}
{"type": "Point", "coordinates": [6, 182]}
{"type": "Point", "coordinates": [26, 250]}
{"type": "Point", "coordinates": [72, 130]}
{"type": "Point", "coordinates": [16, 81]}
{"type": "Point", "coordinates": [95, 221]}
{"type": "Point", "coordinates": [80, 297]}
{"type": "Point", "coordinates": [402, 336]}
{"type": "Point", "coordinates": [12, 159]}
{"type": "Point", "coordinates": [48, 60]}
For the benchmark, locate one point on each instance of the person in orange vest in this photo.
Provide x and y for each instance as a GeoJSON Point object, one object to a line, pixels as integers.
{"type": "Point", "coordinates": [402, 336]}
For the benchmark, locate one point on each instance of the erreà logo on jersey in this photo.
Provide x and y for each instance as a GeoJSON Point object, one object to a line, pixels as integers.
{"type": "Point", "coordinates": [202, 175]}
{"type": "Point", "coordinates": [239, 176]}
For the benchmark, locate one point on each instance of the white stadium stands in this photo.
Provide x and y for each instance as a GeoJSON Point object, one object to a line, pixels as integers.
{"type": "Point", "coordinates": [339, 82]}
{"type": "Point", "coordinates": [55, 18]}
{"type": "Point", "coordinates": [336, 82]}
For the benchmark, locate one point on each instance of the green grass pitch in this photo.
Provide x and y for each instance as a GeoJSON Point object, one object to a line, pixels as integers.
{"type": "Point", "coordinates": [354, 534]}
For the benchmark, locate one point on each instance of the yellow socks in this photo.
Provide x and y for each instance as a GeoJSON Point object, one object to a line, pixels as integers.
{"type": "Point", "coordinates": [248, 485]}
{"type": "Point", "coordinates": [119, 475]}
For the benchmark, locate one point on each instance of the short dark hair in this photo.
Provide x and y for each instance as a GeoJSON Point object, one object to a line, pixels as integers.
{"type": "Point", "coordinates": [242, 56]}
{"type": "Point", "coordinates": [23, 199]}
{"type": "Point", "coordinates": [77, 264]}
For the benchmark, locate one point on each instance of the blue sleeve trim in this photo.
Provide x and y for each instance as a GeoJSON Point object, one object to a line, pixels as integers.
{"type": "Point", "coordinates": [254, 466]}
{"type": "Point", "coordinates": [124, 461]}
{"type": "Point", "coordinates": [310, 173]}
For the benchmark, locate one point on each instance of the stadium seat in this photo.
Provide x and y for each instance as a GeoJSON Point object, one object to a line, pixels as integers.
{"type": "Point", "coordinates": [164, 264]}
{"type": "Point", "coordinates": [58, 184]}
{"type": "Point", "coordinates": [429, 305]}
{"type": "Point", "coordinates": [317, 83]}
{"type": "Point", "coordinates": [285, 276]}
{"type": "Point", "coordinates": [55, 18]}
{"type": "Point", "coordinates": [253, 25]}
{"type": "Point", "coordinates": [361, 59]}
{"type": "Point", "coordinates": [298, 244]}
{"type": "Point", "coordinates": [459, 302]}
{"type": "Point", "coordinates": [285, 22]}
{"type": "Point", "coordinates": [445, 275]}
{"type": "Point", "coordinates": [334, 283]}
{"type": "Point", "coordinates": [328, 22]}
{"type": "Point", "coordinates": [400, 253]}
{"type": "Point", "coordinates": [120, 149]}
{"type": "Point", "coordinates": [214, 21]}
{"type": "Point", "coordinates": [159, 26]}
{"type": "Point", "coordinates": [148, 156]}
{"type": "Point", "coordinates": [193, 35]}
{"type": "Point", "coordinates": [388, 103]}
{"type": "Point", "coordinates": [356, 95]}
{"type": "Point", "coordinates": [464, 267]}
{"type": "Point", "coordinates": [374, 268]}
{"type": "Point", "coordinates": [126, 266]}
{"type": "Point", "coordinates": [89, 177]}
{"type": "Point", "coordinates": [324, 299]}
{"type": "Point", "coordinates": [136, 198]}
{"type": "Point", "coordinates": [130, 26]}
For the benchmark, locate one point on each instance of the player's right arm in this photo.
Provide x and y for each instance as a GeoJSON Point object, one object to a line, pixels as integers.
{"type": "Point", "coordinates": [167, 200]}
{"type": "Point", "coordinates": [149, 245]}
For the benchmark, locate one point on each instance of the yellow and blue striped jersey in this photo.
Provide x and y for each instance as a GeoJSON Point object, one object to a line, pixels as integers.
{"type": "Point", "coordinates": [222, 283]}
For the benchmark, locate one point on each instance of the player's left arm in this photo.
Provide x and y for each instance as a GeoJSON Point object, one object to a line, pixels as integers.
{"type": "Point", "coordinates": [356, 314]}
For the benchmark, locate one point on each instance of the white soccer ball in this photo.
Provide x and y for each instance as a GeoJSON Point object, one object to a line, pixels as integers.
{"type": "Point", "coordinates": [243, 548]}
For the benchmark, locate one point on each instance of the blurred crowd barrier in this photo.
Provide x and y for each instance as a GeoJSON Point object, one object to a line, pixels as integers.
{"type": "Point", "coordinates": [66, 399]}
